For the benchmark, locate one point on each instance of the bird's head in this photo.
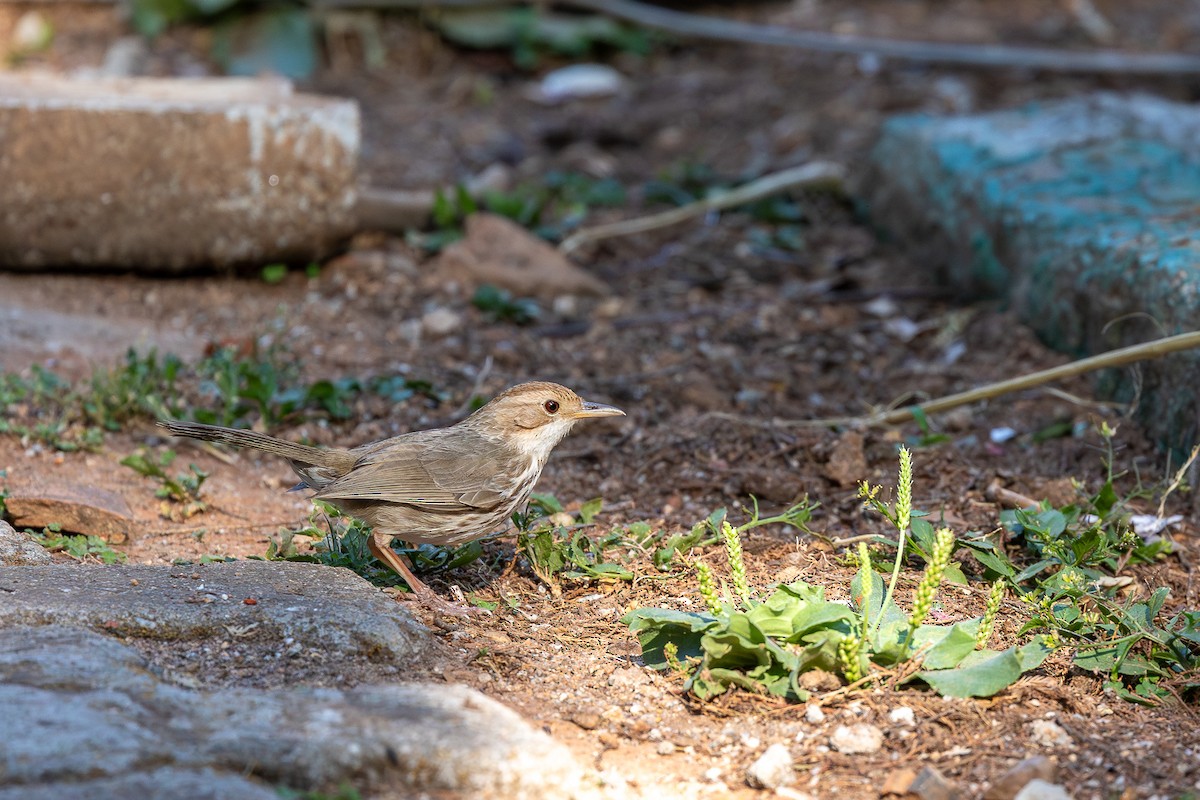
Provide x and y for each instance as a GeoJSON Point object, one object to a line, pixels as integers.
{"type": "Point", "coordinates": [536, 416]}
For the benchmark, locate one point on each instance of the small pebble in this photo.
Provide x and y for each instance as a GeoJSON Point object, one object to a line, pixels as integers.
{"type": "Point", "coordinates": [665, 748]}
{"type": "Point", "coordinates": [814, 714]}
{"type": "Point", "coordinates": [772, 769]}
{"type": "Point", "coordinates": [1038, 789]}
{"type": "Point", "coordinates": [860, 738]}
{"type": "Point", "coordinates": [1049, 733]}
{"type": "Point", "coordinates": [902, 715]}
{"type": "Point", "coordinates": [588, 720]}
{"type": "Point", "coordinates": [441, 322]}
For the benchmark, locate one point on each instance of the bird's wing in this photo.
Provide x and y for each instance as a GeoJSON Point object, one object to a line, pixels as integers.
{"type": "Point", "coordinates": [429, 473]}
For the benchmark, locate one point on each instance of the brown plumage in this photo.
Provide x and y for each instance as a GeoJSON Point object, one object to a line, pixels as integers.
{"type": "Point", "coordinates": [443, 486]}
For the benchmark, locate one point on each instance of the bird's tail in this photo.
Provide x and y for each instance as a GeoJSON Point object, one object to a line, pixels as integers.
{"type": "Point", "coordinates": [296, 453]}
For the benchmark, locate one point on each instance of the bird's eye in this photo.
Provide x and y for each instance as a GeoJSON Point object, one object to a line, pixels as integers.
{"type": "Point", "coordinates": [551, 406]}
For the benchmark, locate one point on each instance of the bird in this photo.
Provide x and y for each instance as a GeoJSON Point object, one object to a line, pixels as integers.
{"type": "Point", "coordinates": [442, 486]}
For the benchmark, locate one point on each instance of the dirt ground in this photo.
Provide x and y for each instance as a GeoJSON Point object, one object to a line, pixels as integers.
{"type": "Point", "coordinates": [713, 345]}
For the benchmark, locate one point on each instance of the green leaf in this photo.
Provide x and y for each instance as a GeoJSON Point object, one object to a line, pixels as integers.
{"type": "Point", "coordinates": [1033, 569]}
{"type": "Point", "coordinates": [923, 535]}
{"type": "Point", "coordinates": [589, 510]}
{"type": "Point", "coordinates": [984, 676]}
{"type": "Point", "coordinates": [988, 554]}
{"type": "Point", "coordinates": [947, 646]}
{"type": "Point", "coordinates": [274, 273]}
{"type": "Point", "coordinates": [655, 627]}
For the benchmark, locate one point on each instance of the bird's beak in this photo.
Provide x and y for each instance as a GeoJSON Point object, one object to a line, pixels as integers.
{"type": "Point", "coordinates": [598, 410]}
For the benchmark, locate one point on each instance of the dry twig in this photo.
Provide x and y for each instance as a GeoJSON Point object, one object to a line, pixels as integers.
{"type": "Point", "coordinates": [813, 173]}
{"type": "Point", "coordinates": [1113, 358]}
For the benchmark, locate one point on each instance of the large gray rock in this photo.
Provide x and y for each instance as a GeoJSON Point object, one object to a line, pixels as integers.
{"type": "Point", "coordinates": [85, 717]}
{"type": "Point", "coordinates": [1082, 213]}
{"type": "Point", "coordinates": [167, 783]}
{"type": "Point", "coordinates": [319, 607]}
{"type": "Point", "coordinates": [167, 175]}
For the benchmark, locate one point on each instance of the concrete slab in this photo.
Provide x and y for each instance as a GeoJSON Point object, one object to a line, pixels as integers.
{"type": "Point", "coordinates": [319, 607]}
{"type": "Point", "coordinates": [86, 717]}
{"type": "Point", "coordinates": [1084, 214]}
{"type": "Point", "coordinates": [164, 176]}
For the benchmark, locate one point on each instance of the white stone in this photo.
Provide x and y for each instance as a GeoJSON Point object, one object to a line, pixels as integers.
{"type": "Point", "coordinates": [772, 769]}
{"type": "Point", "coordinates": [1038, 789]}
{"type": "Point", "coordinates": [1049, 733]}
{"type": "Point", "coordinates": [860, 738]}
{"type": "Point", "coordinates": [441, 322]}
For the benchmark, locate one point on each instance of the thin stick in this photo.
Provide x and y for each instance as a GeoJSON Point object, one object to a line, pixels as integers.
{"type": "Point", "coordinates": [1113, 358]}
{"type": "Point", "coordinates": [695, 26]}
{"type": "Point", "coordinates": [972, 55]}
{"type": "Point", "coordinates": [816, 172]}
{"type": "Point", "coordinates": [1178, 481]}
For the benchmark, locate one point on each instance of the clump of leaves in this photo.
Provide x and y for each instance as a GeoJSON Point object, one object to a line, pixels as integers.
{"type": "Point", "coordinates": [180, 494]}
{"type": "Point", "coordinates": [763, 644]}
{"type": "Point", "coordinates": [501, 306]}
{"type": "Point", "coordinates": [556, 547]}
{"type": "Point", "coordinates": [551, 208]}
{"type": "Point", "coordinates": [1090, 542]}
{"type": "Point", "coordinates": [77, 546]}
{"type": "Point", "coordinates": [1071, 589]}
{"type": "Point", "coordinates": [530, 34]}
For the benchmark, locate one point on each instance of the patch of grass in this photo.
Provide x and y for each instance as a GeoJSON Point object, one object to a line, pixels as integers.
{"type": "Point", "coordinates": [180, 494]}
{"type": "Point", "coordinates": [551, 208]}
{"type": "Point", "coordinates": [77, 546]}
{"type": "Point", "coordinates": [267, 385]}
{"type": "Point", "coordinates": [44, 407]}
{"type": "Point", "coordinates": [556, 547]}
{"type": "Point", "coordinates": [236, 387]}
{"type": "Point", "coordinates": [344, 544]}
{"type": "Point", "coordinates": [501, 306]}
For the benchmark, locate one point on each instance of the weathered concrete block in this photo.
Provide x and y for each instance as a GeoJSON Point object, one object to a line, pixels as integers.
{"type": "Point", "coordinates": [170, 175]}
{"type": "Point", "coordinates": [319, 607]}
{"type": "Point", "coordinates": [87, 716]}
{"type": "Point", "coordinates": [1085, 214]}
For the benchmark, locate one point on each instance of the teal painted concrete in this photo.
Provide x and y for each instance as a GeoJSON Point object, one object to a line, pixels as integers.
{"type": "Point", "coordinates": [1079, 213]}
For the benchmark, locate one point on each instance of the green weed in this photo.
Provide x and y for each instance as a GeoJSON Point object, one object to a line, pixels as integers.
{"type": "Point", "coordinates": [343, 543]}
{"type": "Point", "coordinates": [77, 546]}
{"type": "Point", "coordinates": [1066, 579]}
{"type": "Point", "coordinates": [500, 305]}
{"type": "Point", "coordinates": [556, 547]}
{"type": "Point", "coordinates": [45, 407]}
{"type": "Point", "coordinates": [764, 644]}
{"type": "Point", "coordinates": [180, 494]}
{"type": "Point", "coordinates": [551, 208]}
{"type": "Point", "coordinates": [235, 389]}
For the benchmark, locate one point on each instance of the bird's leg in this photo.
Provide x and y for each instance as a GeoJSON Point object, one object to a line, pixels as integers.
{"type": "Point", "coordinates": [379, 546]}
